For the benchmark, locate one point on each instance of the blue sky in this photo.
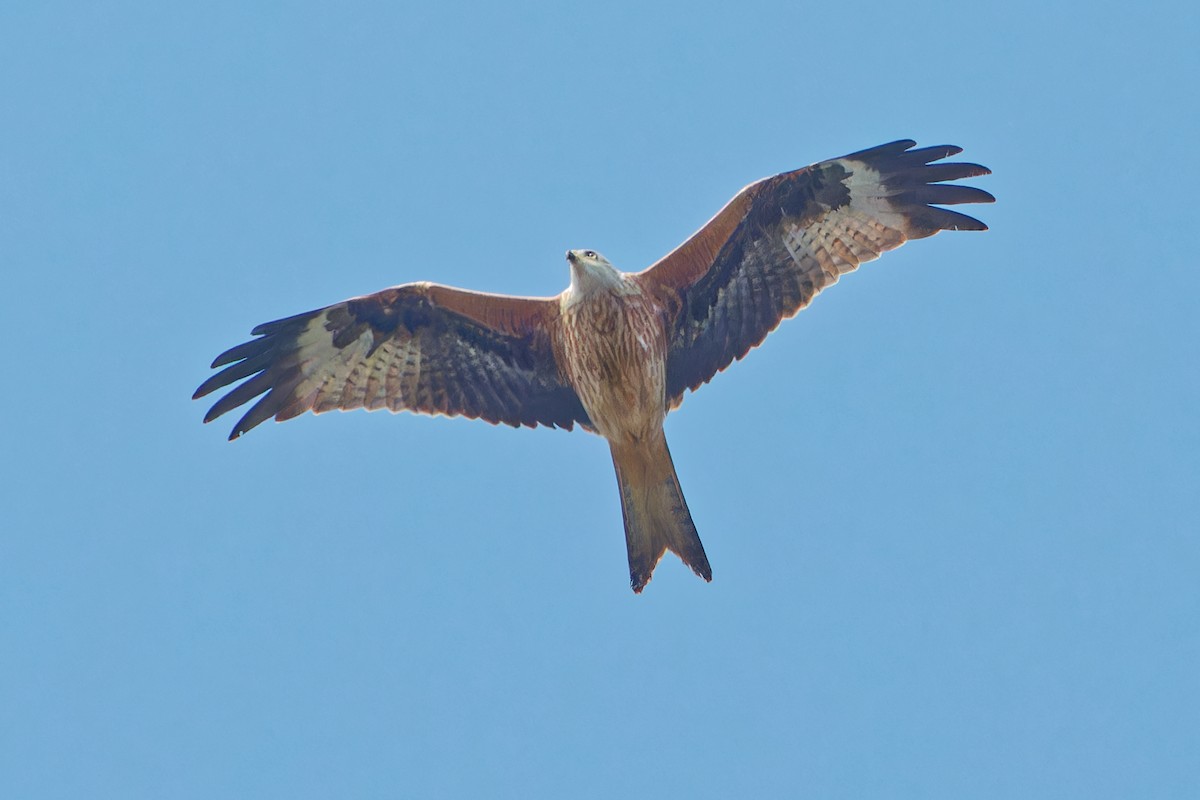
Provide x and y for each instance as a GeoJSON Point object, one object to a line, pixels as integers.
{"type": "Point", "coordinates": [952, 508]}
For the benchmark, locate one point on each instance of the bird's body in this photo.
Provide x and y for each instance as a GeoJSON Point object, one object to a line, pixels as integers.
{"type": "Point", "coordinates": [611, 345]}
{"type": "Point", "coordinates": [615, 351]}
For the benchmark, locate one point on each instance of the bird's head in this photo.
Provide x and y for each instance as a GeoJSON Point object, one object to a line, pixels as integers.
{"type": "Point", "coordinates": [591, 271]}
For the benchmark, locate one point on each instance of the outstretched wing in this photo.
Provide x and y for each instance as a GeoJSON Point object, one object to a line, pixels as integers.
{"type": "Point", "coordinates": [418, 347]}
{"type": "Point", "coordinates": [782, 240]}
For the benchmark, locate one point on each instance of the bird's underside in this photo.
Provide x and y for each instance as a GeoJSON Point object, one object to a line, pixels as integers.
{"type": "Point", "coordinates": [615, 351]}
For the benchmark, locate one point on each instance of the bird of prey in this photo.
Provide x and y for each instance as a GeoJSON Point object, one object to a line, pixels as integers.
{"type": "Point", "coordinates": [615, 351]}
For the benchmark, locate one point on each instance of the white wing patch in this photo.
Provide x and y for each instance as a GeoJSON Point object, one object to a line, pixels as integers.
{"type": "Point", "coordinates": [868, 194]}
{"type": "Point", "coordinates": [324, 366]}
{"type": "Point", "coordinates": [849, 236]}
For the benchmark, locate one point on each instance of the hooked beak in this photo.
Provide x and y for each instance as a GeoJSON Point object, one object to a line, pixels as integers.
{"type": "Point", "coordinates": [571, 256]}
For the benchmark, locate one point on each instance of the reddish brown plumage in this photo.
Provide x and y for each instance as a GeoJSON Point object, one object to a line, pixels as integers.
{"type": "Point", "coordinates": [653, 508]}
{"type": "Point", "coordinates": [615, 351]}
{"type": "Point", "coordinates": [612, 348]}
{"type": "Point", "coordinates": [612, 344]}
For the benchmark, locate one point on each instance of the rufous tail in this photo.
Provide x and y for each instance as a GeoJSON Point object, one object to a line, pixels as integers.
{"type": "Point", "coordinates": [656, 515]}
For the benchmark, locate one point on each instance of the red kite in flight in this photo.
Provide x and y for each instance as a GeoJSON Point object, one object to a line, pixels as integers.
{"type": "Point", "coordinates": [616, 350]}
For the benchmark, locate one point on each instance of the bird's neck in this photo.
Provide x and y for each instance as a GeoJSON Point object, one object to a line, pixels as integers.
{"type": "Point", "coordinates": [591, 282]}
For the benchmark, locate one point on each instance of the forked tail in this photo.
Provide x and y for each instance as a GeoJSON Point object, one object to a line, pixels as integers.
{"type": "Point", "coordinates": [656, 515]}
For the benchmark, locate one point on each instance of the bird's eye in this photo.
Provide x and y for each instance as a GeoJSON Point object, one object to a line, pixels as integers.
{"type": "Point", "coordinates": [590, 253]}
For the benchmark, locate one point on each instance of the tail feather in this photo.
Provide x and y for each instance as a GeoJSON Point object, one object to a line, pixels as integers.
{"type": "Point", "coordinates": [656, 515]}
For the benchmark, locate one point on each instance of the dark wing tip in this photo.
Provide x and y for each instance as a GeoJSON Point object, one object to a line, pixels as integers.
{"type": "Point", "coordinates": [295, 322]}
{"type": "Point", "coordinates": [917, 186]}
{"type": "Point", "coordinates": [926, 220]}
{"type": "Point", "coordinates": [267, 365]}
{"type": "Point", "coordinates": [882, 150]}
{"type": "Point", "coordinates": [935, 152]}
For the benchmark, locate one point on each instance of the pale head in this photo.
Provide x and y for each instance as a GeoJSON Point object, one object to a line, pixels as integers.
{"type": "Point", "coordinates": [591, 271]}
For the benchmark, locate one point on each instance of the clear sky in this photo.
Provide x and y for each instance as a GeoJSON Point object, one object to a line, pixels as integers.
{"type": "Point", "coordinates": [952, 508]}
